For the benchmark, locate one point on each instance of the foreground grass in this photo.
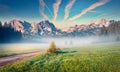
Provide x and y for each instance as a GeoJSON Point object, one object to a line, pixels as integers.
{"type": "Point", "coordinates": [93, 58]}
{"type": "Point", "coordinates": [16, 50]}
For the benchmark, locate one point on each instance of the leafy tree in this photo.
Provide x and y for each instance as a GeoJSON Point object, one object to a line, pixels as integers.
{"type": "Point", "coordinates": [52, 48]}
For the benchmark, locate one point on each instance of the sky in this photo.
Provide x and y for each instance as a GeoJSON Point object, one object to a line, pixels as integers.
{"type": "Point", "coordinates": [63, 13]}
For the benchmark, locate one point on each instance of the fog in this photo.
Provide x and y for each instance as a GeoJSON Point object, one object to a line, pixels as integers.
{"type": "Point", "coordinates": [79, 41]}
{"type": "Point", "coordinates": [68, 42]}
{"type": "Point", "coordinates": [64, 42]}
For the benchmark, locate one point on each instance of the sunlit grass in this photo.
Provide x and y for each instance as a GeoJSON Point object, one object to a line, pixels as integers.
{"type": "Point", "coordinates": [14, 49]}
{"type": "Point", "coordinates": [92, 58]}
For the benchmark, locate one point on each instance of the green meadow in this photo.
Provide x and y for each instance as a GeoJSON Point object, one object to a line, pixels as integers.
{"type": "Point", "coordinates": [15, 49]}
{"type": "Point", "coordinates": [89, 58]}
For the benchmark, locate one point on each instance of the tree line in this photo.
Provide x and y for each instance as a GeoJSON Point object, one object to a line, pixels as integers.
{"type": "Point", "coordinates": [8, 34]}
{"type": "Point", "coordinates": [112, 30]}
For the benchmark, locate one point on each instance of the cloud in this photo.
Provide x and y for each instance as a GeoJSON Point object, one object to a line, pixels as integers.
{"type": "Point", "coordinates": [93, 11]}
{"type": "Point", "coordinates": [42, 3]}
{"type": "Point", "coordinates": [93, 6]}
{"type": "Point", "coordinates": [44, 15]}
{"type": "Point", "coordinates": [56, 7]}
{"type": "Point", "coordinates": [68, 7]}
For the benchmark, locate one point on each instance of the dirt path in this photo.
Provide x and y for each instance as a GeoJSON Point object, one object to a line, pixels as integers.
{"type": "Point", "coordinates": [10, 59]}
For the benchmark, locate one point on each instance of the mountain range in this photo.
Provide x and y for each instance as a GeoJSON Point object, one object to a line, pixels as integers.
{"type": "Point", "coordinates": [46, 28]}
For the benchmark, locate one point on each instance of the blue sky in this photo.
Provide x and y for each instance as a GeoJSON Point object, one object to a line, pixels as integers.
{"type": "Point", "coordinates": [30, 10]}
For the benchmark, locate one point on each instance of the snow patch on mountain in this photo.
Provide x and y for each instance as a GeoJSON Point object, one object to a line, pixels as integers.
{"type": "Point", "coordinates": [45, 28]}
{"type": "Point", "coordinates": [101, 22]}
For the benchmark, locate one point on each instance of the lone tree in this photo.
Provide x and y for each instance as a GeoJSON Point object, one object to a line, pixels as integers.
{"type": "Point", "coordinates": [52, 48]}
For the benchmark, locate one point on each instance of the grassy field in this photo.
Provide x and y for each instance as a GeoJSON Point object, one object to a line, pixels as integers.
{"type": "Point", "coordinates": [91, 58]}
{"type": "Point", "coordinates": [14, 49]}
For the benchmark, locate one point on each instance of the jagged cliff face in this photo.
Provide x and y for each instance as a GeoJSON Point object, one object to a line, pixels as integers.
{"type": "Point", "coordinates": [42, 28]}
{"type": "Point", "coordinates": [45, 28]}
{"type": "Point", "coordinates": [22, 26]}
{"type": "Point", "coordinates": [34, 27]}
{"type": "Point", "coordinates": [93, 28]}
{"type": "Point", "coordinates": [102, 22]}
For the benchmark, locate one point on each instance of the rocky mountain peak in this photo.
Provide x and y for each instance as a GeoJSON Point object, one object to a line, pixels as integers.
{"type": "Point", "coordinates": [102, 22]}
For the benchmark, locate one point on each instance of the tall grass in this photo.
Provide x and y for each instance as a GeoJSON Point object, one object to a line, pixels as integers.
{"type": "Point", "coordinates": [95, 58]}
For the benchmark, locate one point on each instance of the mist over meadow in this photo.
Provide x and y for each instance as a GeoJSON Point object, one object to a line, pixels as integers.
{"type": "Point", "coordinates": [61, 42]}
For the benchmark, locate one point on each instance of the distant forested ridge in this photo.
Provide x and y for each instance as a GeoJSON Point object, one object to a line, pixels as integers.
{"type": "Point", "coordinates": [112, 30]}
{"type": "Point", "coordinates": [8, 34]}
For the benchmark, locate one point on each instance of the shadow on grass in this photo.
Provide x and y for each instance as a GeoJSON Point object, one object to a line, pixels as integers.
{"type": "Point", "coordinates": [66, 52]}
{"type": "Point", "coordinates": [7, 55]}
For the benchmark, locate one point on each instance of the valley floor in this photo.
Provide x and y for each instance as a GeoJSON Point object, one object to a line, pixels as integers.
{"type": "Point", "coordinates": [90, 58]}
{"type": "Point", "coordinates": [14, 58]}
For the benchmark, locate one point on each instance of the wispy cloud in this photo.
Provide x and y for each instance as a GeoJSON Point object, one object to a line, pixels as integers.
{"type": "Point", "coordinates": [42, 3]}
{"type": "Point", "coordinates": [56, 8]}
{"type": "Point", "coordinates": [68, 7]}
{"type": "Point", "coordinates": [93, 11]}
{"type": "Point", "coordinates": [93, 6]}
